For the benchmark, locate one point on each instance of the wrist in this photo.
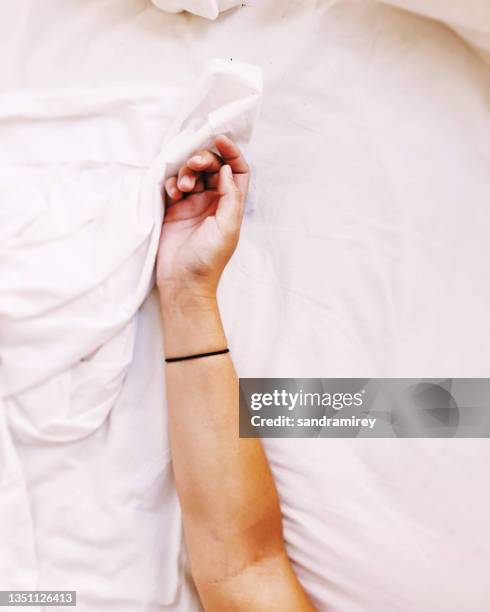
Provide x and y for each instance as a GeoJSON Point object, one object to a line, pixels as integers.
{"type": "Point", "coordinates": [187, 293]}
{"type": "Point", "coordinates": [182, 301]}
{"type": "Point", "coordinates": [191, 323]}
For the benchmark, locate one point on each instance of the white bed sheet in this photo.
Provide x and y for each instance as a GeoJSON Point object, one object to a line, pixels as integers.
{"type": "Point", "coordinates": [363, 254]}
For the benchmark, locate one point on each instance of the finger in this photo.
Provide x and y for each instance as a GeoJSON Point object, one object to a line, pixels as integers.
{"type": "Point", "coordinates": [200, 185]}
{"type": "Point", "coordinates": [232, 156]}
{"type": "Point", "coordinates": [190, 208]}
{"type": "Point", "coordinates": [172, 190]}
{"type": "Point", "coordinates": [230, 206]}
{"type": "Point", "coordinates": [205, 161]}
{"type": "Point", "coordinates": [186, 179]}
{"type": "Point", "coordinates": [211, 180]}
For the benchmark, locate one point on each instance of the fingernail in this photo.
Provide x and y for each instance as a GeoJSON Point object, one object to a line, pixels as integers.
{"type": "Point", "coordinates": [227, 171]}
{"type": "Point", "coordinates": [197, 159]}
{"type": "Point", "coordinates": [173, 192]}
{"type": "Point", "coordinates": [185, 181]}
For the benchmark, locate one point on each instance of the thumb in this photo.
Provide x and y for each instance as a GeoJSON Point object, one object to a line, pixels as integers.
{"type": "Point", "coordinates": [230, 205]}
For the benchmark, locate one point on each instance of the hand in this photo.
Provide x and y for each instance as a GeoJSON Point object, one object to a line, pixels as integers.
{"type": "Point", "coordinates": [203, 215]}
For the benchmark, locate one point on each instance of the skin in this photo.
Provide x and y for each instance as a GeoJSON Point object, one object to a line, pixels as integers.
{"type": "Point", "coordinates": [232, 520]}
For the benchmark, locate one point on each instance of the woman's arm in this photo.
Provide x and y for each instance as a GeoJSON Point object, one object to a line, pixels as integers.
{"type": "Point", "coordinates": [231, 513]}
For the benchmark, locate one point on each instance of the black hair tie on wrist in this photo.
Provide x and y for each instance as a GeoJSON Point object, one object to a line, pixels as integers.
{"type": "Point", "coordinates": [198, 356]}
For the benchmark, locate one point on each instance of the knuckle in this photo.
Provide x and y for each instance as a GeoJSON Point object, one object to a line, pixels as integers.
{"type": "Point", "coordinates": [206, 155]}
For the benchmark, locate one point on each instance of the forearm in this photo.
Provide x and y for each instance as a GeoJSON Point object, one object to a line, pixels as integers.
{"type": "Point", "coordinates": [226, 490]}
{"type": "Point", "coordinates": [230, 509]}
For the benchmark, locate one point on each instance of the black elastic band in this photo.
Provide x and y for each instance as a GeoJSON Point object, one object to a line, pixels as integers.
{"type": "Point", "coordinates": [199, 355]}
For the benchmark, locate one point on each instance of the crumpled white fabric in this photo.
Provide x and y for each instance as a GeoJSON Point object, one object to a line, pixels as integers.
{"type": "Point", "coordinates": [210, 9]}
{"type": "Point", "coordinates": [81, 176]}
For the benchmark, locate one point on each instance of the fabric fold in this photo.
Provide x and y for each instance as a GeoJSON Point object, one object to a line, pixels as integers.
{"type": "Point", "coordinates": [80, 254]}
{"type": "Point", "coordinates": [209, 9]}
{"type": "Point", "coordinates": [81, 177]}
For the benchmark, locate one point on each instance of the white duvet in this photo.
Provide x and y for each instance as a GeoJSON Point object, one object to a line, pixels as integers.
{"type": "Point", "coordinates": [81, 181]}
{"type": "Point", "coordinates": [364, 253]}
